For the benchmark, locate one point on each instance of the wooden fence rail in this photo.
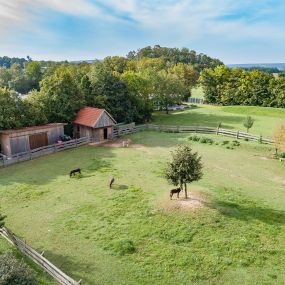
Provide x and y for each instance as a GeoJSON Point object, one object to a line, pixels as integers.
{"type": "Point", "coordinates": [50, 268]}
{"type": "Point", "coordinates": [132, 128]}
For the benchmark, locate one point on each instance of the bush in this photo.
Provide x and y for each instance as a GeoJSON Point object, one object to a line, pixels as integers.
{"type": "Point", "coordinates": [124, 246]}
{"type": "Point", "coordinates": [15, 272]}
{"type": "Point", "coordinates": [203, 140]}
{"type": "Point", "coordinates": [225, 142]}
{"type": "Point", "coordinates": [282, 155]}
{"type": "Point", "coordinates": [194, 138]}
{"type": "Point", "coordinates": [235, 143]}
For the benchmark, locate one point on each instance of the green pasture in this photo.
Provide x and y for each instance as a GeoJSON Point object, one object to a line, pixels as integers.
{"type": "Point", "coordinates": [231, 117]}
{"type": "Point", "coordinates": [232, 228]}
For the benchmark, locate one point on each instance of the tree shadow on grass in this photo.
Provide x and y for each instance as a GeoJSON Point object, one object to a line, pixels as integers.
{"type": "Point", "coordinates": [70, 267]}
{"type": "Point", "coordinates": [42, 170]}
{"type": "Point", "coordinates": [248, 213]}
{"type": "Point", "coordinates": [200, 119]}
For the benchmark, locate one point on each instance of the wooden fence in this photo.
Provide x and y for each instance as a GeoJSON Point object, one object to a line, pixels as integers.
{"type": "Point", "coordinates": [50, 268]}
{"type": "Point", "coordinates": [8, 160]}
{"type": "Point", "coordinates": [126, 129]}
{"type": "Point", "coordinates": [208, 130]}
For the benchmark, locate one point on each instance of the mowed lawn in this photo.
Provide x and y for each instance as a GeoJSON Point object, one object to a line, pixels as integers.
{"type": "Point", "coordinates": [231, 117]}
{"type": "Point", "coordinates": [231, 231]}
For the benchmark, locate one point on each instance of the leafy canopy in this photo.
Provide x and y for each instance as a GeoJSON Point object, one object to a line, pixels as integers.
{"type": "Point", "coordinates": [184, 168]}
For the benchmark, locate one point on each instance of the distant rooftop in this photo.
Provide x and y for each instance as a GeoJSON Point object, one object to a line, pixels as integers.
{"type": "Point", "coordinates": [33, 128]}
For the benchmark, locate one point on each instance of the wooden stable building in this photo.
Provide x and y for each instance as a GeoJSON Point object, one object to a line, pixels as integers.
{"type": "Point", "coordinates": [15, 141]}
{"type": "Point", "coordinates": [97, 124]}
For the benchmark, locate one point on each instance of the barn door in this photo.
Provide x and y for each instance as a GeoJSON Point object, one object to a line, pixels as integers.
{"type": "Point", "coordinates": [38, 140]}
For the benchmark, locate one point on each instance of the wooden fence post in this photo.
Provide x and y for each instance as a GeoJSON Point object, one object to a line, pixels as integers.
{"type": "Point", "coordinates": [237, 134]}
{"type": "Point", "coordinates": [217, 132]}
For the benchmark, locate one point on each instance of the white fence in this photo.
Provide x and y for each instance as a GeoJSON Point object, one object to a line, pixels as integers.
{"type": "Point", "coordinates": [22, 156]}
{"type": "Point", "coordinates": [196, 100]}
{"type": "Point", "coordinates": [50, 268]}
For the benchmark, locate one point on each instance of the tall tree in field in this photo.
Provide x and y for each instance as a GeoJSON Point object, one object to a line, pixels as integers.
{"type": "Point", "coordinates": [248, 122]}
{"type": "Point", "coordinates": [184, 168]}
{"type": "Point", "coordinates": [279, 138]}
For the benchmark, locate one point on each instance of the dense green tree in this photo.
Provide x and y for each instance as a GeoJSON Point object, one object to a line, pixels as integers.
{"type": "Point", "coordinates": [111, 93]}
{"type": "Point", "coordinates": [184, 168]}
{"type": "Point", "coordinates": [60, 96]}
{"type": "Point", "coordinates": [175, 55]}
{"type": "Point", "coordinates": [10, 109]}
{"type": "Point", "coordinates": [140, 89]}
{"type": "Point", "coordinates": [34, 73]}
{"type": "Point", "coordinates": [168, 90]}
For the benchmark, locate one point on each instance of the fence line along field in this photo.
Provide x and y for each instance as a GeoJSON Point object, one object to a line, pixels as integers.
{"type": "Point", "coordinates": [230, 117]}
{"type": "Point", "coordinates": [231, 228]}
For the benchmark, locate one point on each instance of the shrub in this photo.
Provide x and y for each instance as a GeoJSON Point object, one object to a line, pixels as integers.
{"type": "Point", "coordinates": [13, 271]}
{"type": "Point", "coordinates": [246, 139]}
{"type": "Point", "coordinates": [282, 155]}
{"type": "Point", "coordinates": [235, 143]}
{"type": "Point", "coordinates": [123, 246]}
{"type": "Point", "coordinates": [225, 142]}
{"type": "Point", "coordinates": [196, 138]}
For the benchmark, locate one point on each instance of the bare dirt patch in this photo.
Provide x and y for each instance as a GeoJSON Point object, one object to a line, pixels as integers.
{"type": "Point", "coordinates": [195, 201]}
{"type": "Point", "coordinates": [115, 143]}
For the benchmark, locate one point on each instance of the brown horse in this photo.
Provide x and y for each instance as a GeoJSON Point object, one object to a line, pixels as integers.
{"type": "Point", "coordinates": [76, 170]}
{"type": "Point", "coordinates": [175, 191]}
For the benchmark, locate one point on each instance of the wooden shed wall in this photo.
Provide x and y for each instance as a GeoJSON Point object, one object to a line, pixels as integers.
{"type": "Point", "coordinates": [104, 121]}
{"type": "Point", "coordinates": [19, 141]}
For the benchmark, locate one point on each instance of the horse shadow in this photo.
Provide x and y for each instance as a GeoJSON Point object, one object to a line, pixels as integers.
{"type": "Point", "coordinates": [119, 187]}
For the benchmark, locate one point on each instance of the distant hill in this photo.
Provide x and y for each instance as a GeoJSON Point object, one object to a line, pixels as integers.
{"type": "Point", "coordinates": [280, 66]}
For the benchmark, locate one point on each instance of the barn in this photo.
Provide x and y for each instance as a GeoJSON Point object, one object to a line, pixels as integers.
{"type": "Point", "coordinates": [95, 123]}
{"type": "Point", "coordinates": [25, 139]}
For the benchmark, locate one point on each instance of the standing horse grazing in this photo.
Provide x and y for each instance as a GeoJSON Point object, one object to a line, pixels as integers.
{"type": "Point", "coordinates": [111, 182]}
{"type": "Point", "coordinates": [173, 191]}
{"type": "Point", "coordinates": [76, 170]}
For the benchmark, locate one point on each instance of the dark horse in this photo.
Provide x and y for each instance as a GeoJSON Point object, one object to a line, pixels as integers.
{"type": "Point", "coordinates": [76, 170]}
{"type": "Point", "coordinates": [173, 191]}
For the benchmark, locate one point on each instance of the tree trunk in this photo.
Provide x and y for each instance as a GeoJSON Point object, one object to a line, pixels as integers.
{"type": "Point", "coordinates": [185, 189]}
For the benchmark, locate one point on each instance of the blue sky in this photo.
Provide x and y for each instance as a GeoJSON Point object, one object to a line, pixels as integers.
{"type": "Point", "coordinates": [236, 31]}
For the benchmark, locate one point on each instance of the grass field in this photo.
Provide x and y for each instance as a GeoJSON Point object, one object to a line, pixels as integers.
{"type": "Point", "coordinates": [231, 117]}
{"type": "Point", "coordinates": [232, 228]}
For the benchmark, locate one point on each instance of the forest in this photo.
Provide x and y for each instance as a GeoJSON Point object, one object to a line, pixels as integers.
{"type": "Point", "coordinates": [130, 88]}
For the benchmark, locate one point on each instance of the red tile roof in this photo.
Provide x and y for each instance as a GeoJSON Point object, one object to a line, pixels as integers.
{"type": "Point", "coordinates": [33, 128]}
{"type": "Point", "coordinates": [88, 116]}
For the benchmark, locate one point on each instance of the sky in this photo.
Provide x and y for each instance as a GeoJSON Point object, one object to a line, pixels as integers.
{"type": "Point", "coordinates": [235, 31]}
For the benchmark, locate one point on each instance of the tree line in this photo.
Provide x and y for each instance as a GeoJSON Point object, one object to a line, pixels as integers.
{"type": "Point", "coordinates": [129, 88]}
{"type": "Point", "coordinates": [226, 86]}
